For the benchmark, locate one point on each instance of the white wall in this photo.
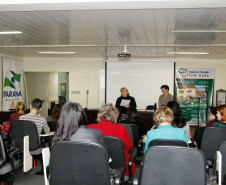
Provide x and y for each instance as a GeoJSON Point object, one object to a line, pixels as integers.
{"type": "Point", "coordinates": [52, 90]}
{"type": "Point", "coordinates": [83, 75]}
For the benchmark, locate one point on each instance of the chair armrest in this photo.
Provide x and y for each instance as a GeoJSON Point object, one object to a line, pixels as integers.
{"type": "Point", "coordinates": [131, 159]}
{"type": "Point", "coordinates": [136, 176]}
{"type": "Point", "coordinates": [121, 174]}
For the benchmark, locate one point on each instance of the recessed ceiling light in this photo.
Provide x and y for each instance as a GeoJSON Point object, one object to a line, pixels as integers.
{"type": "Point", "coordinates": [56, 52]}
{"type": "Point", "coordinates": [10, 32]}
{"type": "Point", "coordinates": [188, 53]}
{"type": "Point", "coordinates": [199, 31]}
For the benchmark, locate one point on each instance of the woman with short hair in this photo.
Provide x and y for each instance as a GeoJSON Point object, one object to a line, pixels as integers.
{"type": "Point", "coordinates": [107, 118]}
{"type": "Point", "coordinates": [124, 102]}
{"type": "Point", "coordinates": [163, 118]}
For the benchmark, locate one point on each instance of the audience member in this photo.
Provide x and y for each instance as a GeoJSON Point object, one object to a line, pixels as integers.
{"type": "Point", "coordinates": [133, 118]}
{"type": "Point", "coordinates": [71, 126]}
{"type": "Point", "coordinates": [179, 121]}
{"type": "Point", "coordinates": [165, 97]}
{"type": "Point", "coordinates": [212, 117]}
{"type": "Point", "coordinates": [5, 127]}
{"type": "Point", "coordinates": [55, 114]}
{"type": "Point", "coordinates": [221, 117]}
{"type": "Point", "coordinates": [34, 115]}
{"type": "Point", "coordinates": [163, 118]}
{"type": "Point", "coordinates": [107, 118]}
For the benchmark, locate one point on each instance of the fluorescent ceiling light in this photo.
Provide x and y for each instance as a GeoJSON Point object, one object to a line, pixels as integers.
{"type": "Point", "coordinates": [188, 53]}
{"type": "Point", "coordinates": [10, 32]}
{"type": "Point", "coordinates": [199, 31]}
{"type": "Point", "coordinates": [56, 52]}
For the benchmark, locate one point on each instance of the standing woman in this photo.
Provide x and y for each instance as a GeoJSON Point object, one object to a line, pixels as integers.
{"type": "Point", "coordinates": [124, 102]}
{"type": "Point", "coordinates": [165, 97]}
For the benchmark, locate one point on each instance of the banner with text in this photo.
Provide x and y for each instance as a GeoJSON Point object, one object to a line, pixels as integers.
{"type": "Point", "coordinates": [194, 92]}
{"type": "Point", "coordinates": [12, 83]}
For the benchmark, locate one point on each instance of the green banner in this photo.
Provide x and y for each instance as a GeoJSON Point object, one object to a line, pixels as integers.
{"type": "Point", "coordinates": [195, 96]}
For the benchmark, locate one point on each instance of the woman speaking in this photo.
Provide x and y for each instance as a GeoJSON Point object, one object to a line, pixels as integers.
{"type": "Point", "coordinates": [124, 102]}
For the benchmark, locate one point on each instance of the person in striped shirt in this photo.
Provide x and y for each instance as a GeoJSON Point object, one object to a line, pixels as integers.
{"type": "Point", "coordinates": [40, 122]}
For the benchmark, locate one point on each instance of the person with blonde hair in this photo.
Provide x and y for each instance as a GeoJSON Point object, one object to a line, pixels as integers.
{"type": "Point", "coordinates": [163, 118]}
{"type": "Point", "coordinates": [107, 118]}
{"type": "Point", "coordinates": [124, 102]}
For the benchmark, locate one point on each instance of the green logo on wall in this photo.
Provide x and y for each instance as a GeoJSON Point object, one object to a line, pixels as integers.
{"type": "Point", "coordinates": [182, 70]}
{"type": "Point", "coordinates": [10, 82]}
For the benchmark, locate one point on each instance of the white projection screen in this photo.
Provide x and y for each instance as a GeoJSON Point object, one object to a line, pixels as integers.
{"type": "Point", "coordinates": [142, 78]}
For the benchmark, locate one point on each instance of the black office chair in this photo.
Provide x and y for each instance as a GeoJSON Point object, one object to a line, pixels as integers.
{"type": "Point", "coordinates": [167, 142]}
{"type": "Point", "coordinates": [115, 149]}
{"type": "Point", "coordinates": [52, 125]}
{"type": "Point", "coordinates": [172, 166]}
{"type": "Point", "coordinates": [79, 163]}
{"type": "Point", "coordinates": [9, 161]}
{"type": "Point", "coordinates": [22, 128]}
{"type": "Point", "coordinates": [198, 136]}
{"type": "Point", "coordinates": [211, 140]}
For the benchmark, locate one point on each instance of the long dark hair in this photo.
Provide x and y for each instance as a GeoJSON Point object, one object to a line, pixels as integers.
{"type": "Point", "coordinates": [178, 121]}
{"type": "Point", "coordinates": [71, 118]}
{"type": "Point", "coordinates": [56, 112]}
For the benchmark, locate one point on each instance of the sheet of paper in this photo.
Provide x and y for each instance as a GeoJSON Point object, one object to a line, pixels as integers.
{"type": "Point", "coordinates": [124, 102]}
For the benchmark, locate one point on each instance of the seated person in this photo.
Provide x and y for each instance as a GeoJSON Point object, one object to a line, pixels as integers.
{"type": "Point", "coordinates": [5, 127]}
{"type": "Point", "coordinates": [107, 118]}
{"type": "Point", "coordinates": [179, 121]}
{"type": "Point", "coordinates": [72, 126]}
{"type": "Point", "coordinates": [212, 117]}
{"type": "Point", "coordinates": [34, 115]}
{"type": "Point", "coordinates": [133, 118]}
{"type": "Point", "coordinates": [163, 118]}
{"type": "Point", "coordinates": [55, 113]}
{"type": "Point", "coordinates": [221, 117]}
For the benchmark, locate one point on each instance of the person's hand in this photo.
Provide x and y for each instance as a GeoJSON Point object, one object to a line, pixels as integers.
{"type": "Point", "coordinates": [127, 106]}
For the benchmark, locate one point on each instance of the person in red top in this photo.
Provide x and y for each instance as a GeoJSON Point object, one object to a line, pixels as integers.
{"type": "Point", "coordinates": [107, 118]}
{"type": "Point", "coordinates": [5, 127]}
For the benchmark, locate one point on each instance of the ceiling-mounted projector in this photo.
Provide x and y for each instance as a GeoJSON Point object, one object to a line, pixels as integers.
{"type": "Point", "coordinates": [124, 54]}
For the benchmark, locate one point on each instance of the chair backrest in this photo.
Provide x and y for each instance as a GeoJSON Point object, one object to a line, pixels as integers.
{"type": "Point", "coordinates": [211, 140]}
{"type": "Point", "coordinates": [79, 163]}
{"type": "Point", "coordinates": [135, 134]}
{"type": "Point", "coordinates": [167, 142]}
{"type": "Point", "coordinates": [222, 150]}
{"type": "Point", "coordinates": [173, 165]}
{"type": "Point", "coordinates": [52, 125]}
{"type": "Point", "coordinates": [115, 149]}
{"type": "Point", "coordinates": [198, 135]}
{"type": "Point", "coordinates": [150, 107]}
{"type": "Point", "coordinates": [22, 128]}
{"type": "Point", "coordinates": [130, 133]}
{"type": "Point", "coordinates": [45, 160]}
